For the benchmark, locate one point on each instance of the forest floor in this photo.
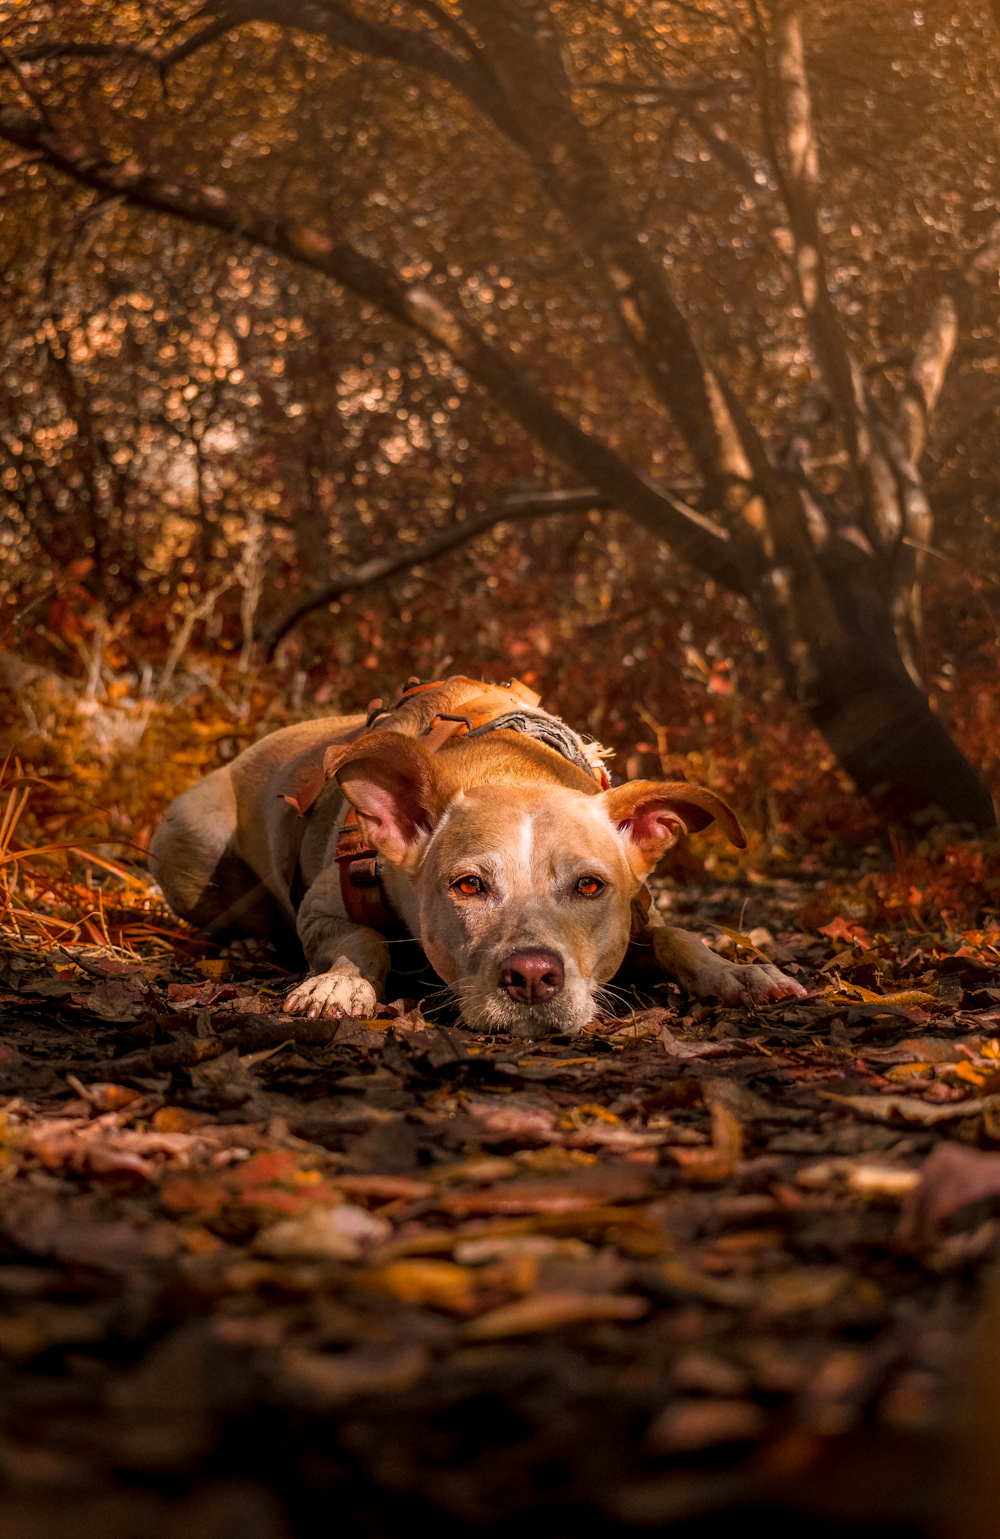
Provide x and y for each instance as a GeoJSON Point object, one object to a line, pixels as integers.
{"type": "Point", "coordinates": [694, 1265]}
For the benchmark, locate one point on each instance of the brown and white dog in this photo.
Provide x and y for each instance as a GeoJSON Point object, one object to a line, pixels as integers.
{"type": "Point", "coordinates": [492, 837]}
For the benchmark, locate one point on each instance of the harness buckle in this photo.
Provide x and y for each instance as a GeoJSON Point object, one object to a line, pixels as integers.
{"type": "Point", "coordinates": [364, 872]}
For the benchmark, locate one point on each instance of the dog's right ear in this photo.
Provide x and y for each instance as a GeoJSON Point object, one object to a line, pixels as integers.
{"type": "Point", "coordinates": [397, 788]}
{"type": "Point", "coordinates": [652, 813]}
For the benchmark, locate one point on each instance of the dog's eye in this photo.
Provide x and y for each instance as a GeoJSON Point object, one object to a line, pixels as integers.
{"type": "Point", "coordinates": [590, 886]}
{"type": "Point", "coordinates": [469, 886]}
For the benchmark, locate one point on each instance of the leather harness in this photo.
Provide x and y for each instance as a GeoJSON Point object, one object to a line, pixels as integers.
{"type": "Point", "coordinates": [500, 706]}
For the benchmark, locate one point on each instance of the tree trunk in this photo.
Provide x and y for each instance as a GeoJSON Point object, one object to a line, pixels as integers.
{"type": "Point", "coordinates": [852, 681]}
{"type": "Point", "coordinates": [883, 732]}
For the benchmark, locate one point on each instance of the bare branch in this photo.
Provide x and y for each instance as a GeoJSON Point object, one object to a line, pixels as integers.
{"type": "Point", "coordinates": [162, 58]}
{"type": "Point", "coordinates": [529, 98]}
{"type": "Point", "coordinates": [447, 22]}
{"type": "Point", "coordinates": [379, 568]}
{"type": "Point", "coordinates": [800, 177]}
{"type": "Point", "coordinates": [934, 351]}
{"type": "Point", "coordinates": [714, 135]}
{"type": "Point", "coordinates": [528, 59]}
{"type": "Point", "coordinates": [320, 18]}
{"type": "Point", "coordinates": [419, 50]}
{"type": "Point", "coordinates": [693, 537]}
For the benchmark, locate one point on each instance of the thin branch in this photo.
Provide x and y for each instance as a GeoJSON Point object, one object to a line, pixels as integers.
{"type": "Point", "coordinates": [447, 22]}
{"type": "Point", "coordinates": [664, 91]}
{"type": "Point", "coordinates": [418, 50]}
{"type": "Point", "coordinates": [934, 351]}
{"type": "Point", "coordinates": [801, 185]}
{"type": "Point", "coordinates": [379, 568]}
{"type": "Point", "coordinates": [715, 137]}
{"type": "Point", "coordinates": [161, 58]}
{"type": "Point", "coordinates": [320, 18]}
{"type": "Point", "coordinates": [530, 68]}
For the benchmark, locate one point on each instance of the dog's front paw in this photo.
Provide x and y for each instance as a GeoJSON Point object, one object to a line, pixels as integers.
{"type": "Point", "coordinates": [341, 991]}
{"type": "Point", "coordinates": [706, 975]}
{"type": "Point", "coordinates": [750, 984]}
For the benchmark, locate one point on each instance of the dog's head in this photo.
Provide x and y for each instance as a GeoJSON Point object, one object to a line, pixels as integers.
{"type": "Point", "coordinates": [524, 888]}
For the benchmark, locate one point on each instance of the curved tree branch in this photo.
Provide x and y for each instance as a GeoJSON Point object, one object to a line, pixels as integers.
{"type": "Point", "coordinates": [934, 350]}
{"type": "Point", "coordinates": [378, 568]}
{"type": "Point", "coordinates": [416, 49]}
{"type": "Point", "coordinates": [693, 537]}
{"type": "Point", "coordinates": [162, 58]}
{"type": "Point", "coordinates": [520, 85]}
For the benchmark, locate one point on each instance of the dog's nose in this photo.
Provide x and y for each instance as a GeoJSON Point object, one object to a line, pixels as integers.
{"type": "Point", "coordinates": [532, 976]}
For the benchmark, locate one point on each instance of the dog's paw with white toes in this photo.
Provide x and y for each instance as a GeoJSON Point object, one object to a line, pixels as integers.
{"type": "Point", "coordinates": [754, 984]}
{"type": "Point", "coordinates": [341, 991]}
{"type": "Point", "coordinates": [706, 975]}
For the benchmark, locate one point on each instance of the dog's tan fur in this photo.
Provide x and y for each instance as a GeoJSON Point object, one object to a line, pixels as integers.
{"type": "Point", "coordinates": [503, 808]}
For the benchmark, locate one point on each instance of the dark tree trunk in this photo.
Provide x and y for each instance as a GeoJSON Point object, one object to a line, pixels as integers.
{"type": "Point", "coordinates": [883, 732]}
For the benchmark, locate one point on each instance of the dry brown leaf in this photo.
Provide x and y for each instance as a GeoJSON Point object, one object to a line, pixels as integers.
{"type": "Point", "coordinates": [952, 1177]}
{"type": "Point", "coordinates": [549, 1311]}
{"type": "Point", "coordinates": [440, 1284]}
{"type": "Point", "coordinates": [691, 1425]}
{"type": "Point", "coordinates": [328, 1378]}
{"type": "Point", "coordinates": [322, 1234]}
{"type": "Point", "coordinates": [882, 1108]}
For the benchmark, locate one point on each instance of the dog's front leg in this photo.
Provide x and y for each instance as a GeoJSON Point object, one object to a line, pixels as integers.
{"type": "Point", "coordinates": [702, 973]}
{"type": "Point", "coordinates": [349, 962]}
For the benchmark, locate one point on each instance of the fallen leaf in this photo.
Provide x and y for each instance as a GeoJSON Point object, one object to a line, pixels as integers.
{"type": "Point", "coordinates": [718, 1162]}
{"type": "Point", "coordinates": [952, 1177]}
{"type": "Point", "coordinates": [747, 1240]}
{"type": "Point", "coordinates": [785, 1293]}
{"type": "Point", "coordinates": [104, 1097]}
{"type": "Point", "coordinates": [709, 1374]}
{"type": "Point", "coordinates": [694, 1424]}
{"type": "Point", "coordinates": [680, 1049]}
{"type": "Point", "coordinates": [864, 1176]}
{"type": "Point", "coordinates": [575, 1194]}
{"type": "Point", "coordinates": [968, 1072]}
{"type": "Point", "coordinates": [322, 1234]}
{"type": "Point", "coordinates": [177, 1119]}
{"type": "Point", "coordinates": [512, 1120]}
{"type": "Point", "coordinates": [598, 1137]}
{"type": "Point", "coordinates": [549, 1311]}
{"type": "Point", "coordinates": [264, 1185]}
{"type": "Point", "coordinates": [764, 937]}
{"type": "Point", "coordinates": [483, 1168]}
{"type": "Point", "coordinates": [329, 1378]}
{"type": "Point", "coordinates": [476, 1252]}
{"type": "Point", "coordinates": [904, 1071]}
{"type": "Point", "coordinates": [117, 1000]}
{"type": "Point", "coordinates": [846, 929]}
{"type": "Point", "coordinates": [366, 1034]}
{"type": "Point", "coordinates": [729, 1292]}
{"type": "Point", "coordinates": [384, 1186]}
{"type": "Point", "coordinates": [882, 1108]}
{"type": "Point", "coordinates": [441, 1284]}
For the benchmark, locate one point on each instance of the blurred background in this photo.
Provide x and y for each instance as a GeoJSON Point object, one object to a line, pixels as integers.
{"type": "Point", "coordinates": [290, 289]}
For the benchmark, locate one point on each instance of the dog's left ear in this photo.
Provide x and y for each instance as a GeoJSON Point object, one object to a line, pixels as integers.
{"type": "Point", "coordinates": [653, 814]}
{"type": "Point", "coordinates": [397, 788]}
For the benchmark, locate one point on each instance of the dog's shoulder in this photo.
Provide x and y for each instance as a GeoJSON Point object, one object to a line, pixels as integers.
{"type": "Point", "coordinates": [289, 761]}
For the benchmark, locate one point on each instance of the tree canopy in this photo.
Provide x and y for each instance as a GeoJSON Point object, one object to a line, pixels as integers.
{"type": "Point", "coordinates": [337, 281]}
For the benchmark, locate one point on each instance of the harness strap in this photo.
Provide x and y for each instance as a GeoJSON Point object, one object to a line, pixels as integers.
{"type": "Point", "coordinates": [641, 904]}
{"type": "Point", "coordinates": [360, 880]}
